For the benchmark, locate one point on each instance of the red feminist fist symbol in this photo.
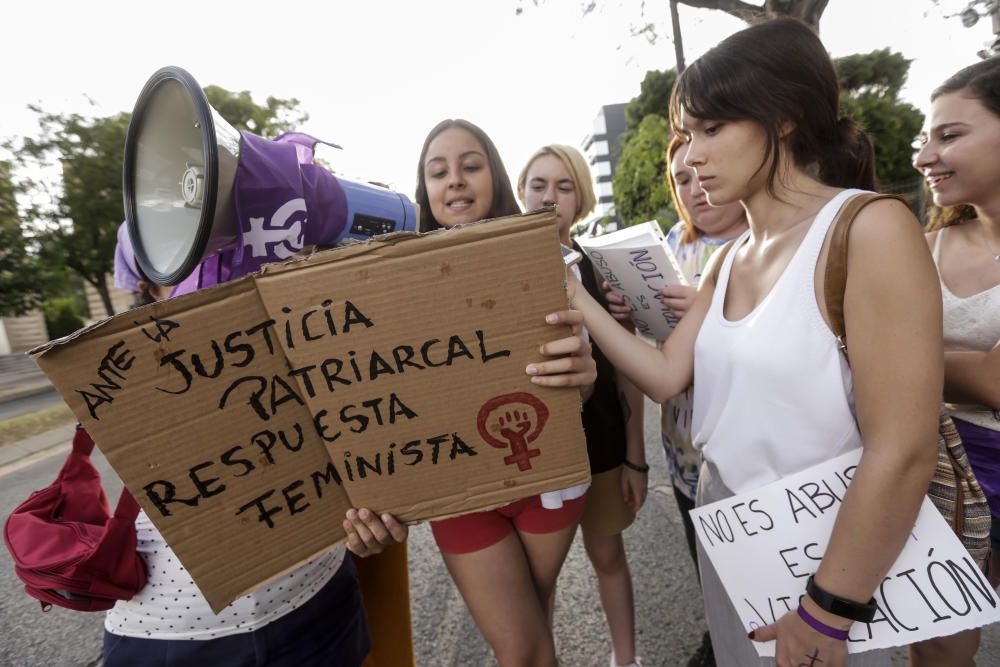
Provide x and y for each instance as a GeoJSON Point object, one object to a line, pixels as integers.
{"type": "Point", "coordinates": [516, 425]}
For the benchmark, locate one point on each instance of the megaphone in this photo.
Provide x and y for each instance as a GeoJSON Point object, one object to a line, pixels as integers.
{"type": "Point", "coordinates": [195, 188]}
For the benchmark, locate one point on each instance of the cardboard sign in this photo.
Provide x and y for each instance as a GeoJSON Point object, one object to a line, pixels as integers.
{"type": "Point", "coordinates": [248, 417]}
{"type": "Point", "coordinates": [765, 544]}
{"type": "Point", "coordinates": [637, 262]}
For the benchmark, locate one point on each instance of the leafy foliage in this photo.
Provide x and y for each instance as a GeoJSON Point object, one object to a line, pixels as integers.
{"type": "Point", "coordinates": [871, 83]}
{"type": "Point", "coordinates": [19, 280]}
{"type": "Point", "coordinates": [269, 120]}
{"type": "Point", "coordinates": [653, 98]}
{"type": "Point", "coordinates": [76, 227]}
{"type": "Point", "coordinates": [61, 316]}
{"type": "Point", "coordinates": [640, 184]}
{"type": "Point", "coordinates": [79, 231]}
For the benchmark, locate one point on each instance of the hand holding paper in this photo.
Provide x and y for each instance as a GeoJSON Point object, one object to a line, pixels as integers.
{"type": "Point", "coordinates": [637, 263]}
{"type": "Point", "coordinates": [797, 643]}
{"type": "Point", "coordinates": [764, 544]}
{"type": "Point", "coordinates": [617, 306]}
{"type": "Point", "coordinates": [679, 298]}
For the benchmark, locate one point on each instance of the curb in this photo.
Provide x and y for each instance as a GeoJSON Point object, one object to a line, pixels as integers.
{"type": "Point", "coordinates": [16, 451]}
{"type": "Point", "coordinates": [24, 392]}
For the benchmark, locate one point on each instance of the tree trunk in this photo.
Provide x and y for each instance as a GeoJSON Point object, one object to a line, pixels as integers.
{"type": "Point", "coordinates": [675, 22]}
{"type": "Point", "coordinates": [102, 288]}
{"type": "Point", "coordinates": [807, 11]}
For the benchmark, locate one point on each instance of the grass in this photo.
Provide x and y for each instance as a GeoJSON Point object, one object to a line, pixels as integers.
{"type": "Point", "coordinates": [19, 428]}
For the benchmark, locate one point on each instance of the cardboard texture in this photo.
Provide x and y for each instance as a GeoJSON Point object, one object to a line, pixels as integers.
{"type": "Point", "coordinates": [248, 417]}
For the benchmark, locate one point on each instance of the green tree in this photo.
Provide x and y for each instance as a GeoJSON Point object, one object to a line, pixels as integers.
{"type": "Point", "coordinates": [19, 279]}
{"type": "Point", "coordinates": [272, 118]}
{"type": "Point", "coordinates": [871, 83]}
{"type": "Point", "coordinates": [653, 98]}
{"type": "Point", "coordinates": [640, 183]}
{"type": "Point", "coordinates": [77, 227]}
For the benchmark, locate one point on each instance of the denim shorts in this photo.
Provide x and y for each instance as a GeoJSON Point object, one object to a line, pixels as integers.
{"type": "Point", "coordinates": [327, 631]}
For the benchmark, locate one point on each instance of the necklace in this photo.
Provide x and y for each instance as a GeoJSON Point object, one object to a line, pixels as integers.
{"type": "Point", "coordinates": [989, 246]}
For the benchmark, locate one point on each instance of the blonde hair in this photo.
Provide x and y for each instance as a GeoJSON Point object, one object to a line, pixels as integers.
{"type": "Point", "coordinates": [578, 170]}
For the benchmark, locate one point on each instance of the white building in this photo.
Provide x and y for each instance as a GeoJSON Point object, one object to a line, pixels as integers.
{"type": "Point", "coordinates": [602, 150]}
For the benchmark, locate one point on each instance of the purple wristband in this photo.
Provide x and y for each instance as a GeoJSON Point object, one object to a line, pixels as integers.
{"type": "Point", "coordinates": [821, 627]}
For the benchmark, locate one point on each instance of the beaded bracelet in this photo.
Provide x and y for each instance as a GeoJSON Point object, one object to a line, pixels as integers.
{"type": "Point", "coordinates": [636, 467]}
{"type": "Point", "coordinates": [821, 627]}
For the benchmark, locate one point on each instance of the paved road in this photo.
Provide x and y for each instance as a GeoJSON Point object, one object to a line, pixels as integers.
{"type": "Point", "coordinates": [669, 614]}
{"type": "Point", "coordinates": [670, 621]}
{"type": "Point", "coordinates": [29, 404]}
{"type": "Point", "coordinates": [28, 637]}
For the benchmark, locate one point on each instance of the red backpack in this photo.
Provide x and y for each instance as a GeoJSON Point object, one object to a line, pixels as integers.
{"type": "Point", "coordinates": [68, 549]}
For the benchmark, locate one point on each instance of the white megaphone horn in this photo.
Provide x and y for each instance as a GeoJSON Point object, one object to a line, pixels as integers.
{"type": "Point", "coordinates": [195, 187]}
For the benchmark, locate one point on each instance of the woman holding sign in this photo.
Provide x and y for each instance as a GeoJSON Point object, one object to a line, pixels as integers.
{"type": "Point", "coordinates": [960, 159]}
{"type": "Point", "coordinates": [773, 394]}
{"type": "Point", "coordinates": [505, 562]}
{"type": "Point", "coordinates": [558, 176]}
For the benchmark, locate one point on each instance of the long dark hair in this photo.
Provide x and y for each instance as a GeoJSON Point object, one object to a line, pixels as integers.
{"type": "Point", "coordinates": [981, 82]}
{"type": "Point", "coordinates": [504, 201]}
{"type": "Point", "coordinates": [776, 73]}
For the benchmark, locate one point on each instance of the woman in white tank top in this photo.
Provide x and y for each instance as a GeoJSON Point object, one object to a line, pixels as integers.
{"type": "Point", "coordinates": [960, 159]}
{"type": "Point", "coordinates": [772, 394]}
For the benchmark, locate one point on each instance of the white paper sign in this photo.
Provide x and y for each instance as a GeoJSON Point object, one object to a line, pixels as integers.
{"type": "Point", "coordinates": [637, 262]}
{"type": "Point", "coordinates": [765, 544]}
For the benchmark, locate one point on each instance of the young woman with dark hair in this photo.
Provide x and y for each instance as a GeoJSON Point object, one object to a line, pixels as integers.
{"type": "Point", "coordinates": [960, 160]}
{"type": "Point", "coordinates": [505, 561]}
{"type": "Point", "coordinates": [773, 394]}
{"type": "Point", "coordinates": [496, 198]}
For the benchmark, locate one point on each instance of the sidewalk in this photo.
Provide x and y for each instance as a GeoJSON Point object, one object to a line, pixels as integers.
{"type": "Point", "coordinates": [20, 378]}
{"type": "Point", "coordinates": [17, 451]}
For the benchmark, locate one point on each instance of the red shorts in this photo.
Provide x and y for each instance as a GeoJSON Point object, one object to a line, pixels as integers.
{"type": "Point", "coordinates": [474, 532]}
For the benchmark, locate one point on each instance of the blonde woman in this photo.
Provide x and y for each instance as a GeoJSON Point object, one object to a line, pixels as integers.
{"type": "Point", "coordinates": [557, 175]}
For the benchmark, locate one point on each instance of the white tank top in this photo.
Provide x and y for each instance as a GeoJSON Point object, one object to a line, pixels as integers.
{"type": "Point", "coordinates": [772, 391]}
{"type": "Point", "coordinates": [971, 323]}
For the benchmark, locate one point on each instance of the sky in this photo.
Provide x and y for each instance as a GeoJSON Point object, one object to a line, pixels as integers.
{"type": "Point", "coordinates": [376, 75]}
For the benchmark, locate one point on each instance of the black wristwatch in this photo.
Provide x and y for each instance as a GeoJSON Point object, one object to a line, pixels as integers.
{"type": "Point", "coordinates": [849, 609]}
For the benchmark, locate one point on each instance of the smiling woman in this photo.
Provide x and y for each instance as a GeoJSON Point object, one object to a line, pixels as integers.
{"type": "Point", "coordinates": [960, 160]}
{"type": "Point", "coordinates": [557, 175]}
{"type": "Point", "coordinates": [505, 561]}
{"type": "Point", "coordinates": [461, 178]}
